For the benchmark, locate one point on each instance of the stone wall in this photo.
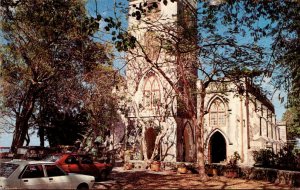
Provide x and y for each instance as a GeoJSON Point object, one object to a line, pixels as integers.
{"type": "Point", "coordinates": [281, 177]}
{"type": "Point", "coordinates": [285, 177]}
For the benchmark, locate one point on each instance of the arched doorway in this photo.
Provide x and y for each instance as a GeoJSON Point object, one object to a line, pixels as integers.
{"type": "Point", "coordinates": [150, 141]}
{"type": "Point", "coordinates": [217, 148]}
{"type": "Point", "coordinates": [188, 144]}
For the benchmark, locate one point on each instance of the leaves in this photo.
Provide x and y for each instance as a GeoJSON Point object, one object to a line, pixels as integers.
{"type": "Point", "coordinates": [49, 63]}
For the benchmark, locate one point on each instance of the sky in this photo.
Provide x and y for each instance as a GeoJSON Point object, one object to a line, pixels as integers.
{"type": "Point", "coordinates": [104, 7]}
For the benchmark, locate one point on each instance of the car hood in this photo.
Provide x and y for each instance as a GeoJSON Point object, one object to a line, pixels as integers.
{"type": "Point", "coordinates": [83, 176]}
{"type": "Point", "coordinates": [3, 182]}
{"type": "Point", "coordinates": [3, 179]}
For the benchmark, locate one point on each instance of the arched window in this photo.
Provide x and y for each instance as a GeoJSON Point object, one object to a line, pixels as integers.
{"type": "Point", "coordinates": [217, 113]}
{"type": "Point", "coordinates": [151, 92]}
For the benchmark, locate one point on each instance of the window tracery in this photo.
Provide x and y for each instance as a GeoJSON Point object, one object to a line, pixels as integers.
{"type": "Point", "coordinates": [151, 92]}
{"type": "Point", "coordinates": [217, 113]}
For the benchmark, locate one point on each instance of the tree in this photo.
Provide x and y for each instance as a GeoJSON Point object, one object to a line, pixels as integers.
{"type": "Point", "coordinates": [47, 53]}
{"type": "Point", "coordinates": [101, 104]}
{"type": "Point", "coordinates": [289, 60]}
{"type": "Point", "coordinates": [291, 118]}
{"type": "Point", "coordinates": [282, 24]}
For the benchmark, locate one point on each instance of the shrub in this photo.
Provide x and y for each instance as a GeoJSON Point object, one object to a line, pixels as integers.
{"type": "Point", "coordinates": [286, 158]}
{"type": "Point", "coordinates": [264, 158]}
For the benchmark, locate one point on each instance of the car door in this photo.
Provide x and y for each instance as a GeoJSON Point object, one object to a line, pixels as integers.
{"type": "Point", "coordinates": [33, 177]}
{"type": "Point", "coordinates": [58, 179]}
{"type": "Point", "coordinates": [87, 164]}
{"type": "Point", "coordinates": [72, 165]}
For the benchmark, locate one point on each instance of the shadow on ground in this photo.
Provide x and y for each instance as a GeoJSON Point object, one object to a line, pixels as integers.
{"type": "Point", "coordinates": [145, 179]}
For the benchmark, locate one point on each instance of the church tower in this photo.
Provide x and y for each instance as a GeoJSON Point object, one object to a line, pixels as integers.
{"type": "Point", "coordinates": [165, 30]}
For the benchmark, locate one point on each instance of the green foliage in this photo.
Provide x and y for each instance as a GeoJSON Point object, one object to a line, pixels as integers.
{"type": "Point", "coordinates": [49, 68]}
{"type": "Point", "coordinates": [292, 119]}
{"type": "Point", "coordinates": [66, 130]}
{"type": "Point", "coordinates": [232, 163]}
{"type": "Point", "coordinates": [285, 159]}
{"type": "Point", "coordinates": [264, 158]}
{"type": "Point", "coordinates": [144, 8]}
{"type": "Point", "coordinates": [282, 25]}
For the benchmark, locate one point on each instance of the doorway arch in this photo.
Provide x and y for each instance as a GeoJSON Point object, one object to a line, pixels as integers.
{"type": "Point", "coordinates": [150, 137]}
{"type": "Point", "coordinates": [217, 148]}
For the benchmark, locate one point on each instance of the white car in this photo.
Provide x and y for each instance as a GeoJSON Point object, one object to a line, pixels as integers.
{"type": "Point", "coordinates": [22, 174]}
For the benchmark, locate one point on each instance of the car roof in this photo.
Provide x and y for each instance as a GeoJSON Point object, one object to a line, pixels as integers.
{"type": "Point", "coordinates": [70, 153]}
{"type": "Point", "coordinates": [25, 162]}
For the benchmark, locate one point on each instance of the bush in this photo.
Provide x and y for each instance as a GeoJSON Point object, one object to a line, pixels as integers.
{"type": "Point", "coordinates": [287, 159]}
{"type": "Point", "coordinates": [284, 159]}
{"type": "Point", "coordinates": [264, 158]}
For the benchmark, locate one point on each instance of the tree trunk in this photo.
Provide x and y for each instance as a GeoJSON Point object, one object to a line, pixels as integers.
{"type": "Point", "coordinates": [22, 119]}
{"type": "Point", "coordinates": [42, 136]}
{"type": "Point", "coordinates": [200, 136]}
{"type": "Point", "coordinates": [144, 144]}
{"type": "Point", "coordinates": [19, 134]}
{"type": "Point", "coordinates": [27, 139]}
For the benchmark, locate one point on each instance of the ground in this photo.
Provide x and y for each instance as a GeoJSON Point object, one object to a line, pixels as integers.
{"type": "Point", "coordinates": [145, 179]}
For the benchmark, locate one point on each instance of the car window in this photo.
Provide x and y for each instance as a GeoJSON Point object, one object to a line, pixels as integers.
{"type": "Point", "coordinates": [71, 160]}
{"type": "Point", "coordinates": [86, 160]}
{"type": "Point", "coordinates": [6, 169]}
{"type": "Point", "coordinates": [53, 170]}
{"type": "Point", "coordinates": [33, 171]}
{"type": "Point", "coordinates": [52, 158]}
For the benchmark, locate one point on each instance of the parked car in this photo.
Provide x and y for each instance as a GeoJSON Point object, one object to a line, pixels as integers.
{"type": "Point", "coordinates": [23, 174]}
{"type": "Point", "coordinates": [83, 164]}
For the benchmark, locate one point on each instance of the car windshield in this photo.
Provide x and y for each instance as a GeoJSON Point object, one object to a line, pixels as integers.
{"type": "Point", "coordinates": [86, 160]}
{"type": "Point", "coordinates": [6, 169]}
{"type": "Point", "coordinates": [52, 158]}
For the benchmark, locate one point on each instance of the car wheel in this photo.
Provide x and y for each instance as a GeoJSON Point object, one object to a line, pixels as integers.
{"type": "Point", "coordinates": [82, 186]}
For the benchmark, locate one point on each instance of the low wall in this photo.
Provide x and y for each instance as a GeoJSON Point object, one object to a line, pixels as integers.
{"type": "Point", "coordinates": [285, 177]}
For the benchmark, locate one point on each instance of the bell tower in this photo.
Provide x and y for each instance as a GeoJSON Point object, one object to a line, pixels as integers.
{"type": "Point", "coordinates": [159, 26]}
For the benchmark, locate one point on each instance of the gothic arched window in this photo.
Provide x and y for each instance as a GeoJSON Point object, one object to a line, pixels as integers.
{"type": "Point", "coordinates": [151, 92]}
{"type": "Point", "coordinates": [217, 113]}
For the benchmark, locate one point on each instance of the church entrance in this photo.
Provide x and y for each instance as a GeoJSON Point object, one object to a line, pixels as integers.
{"type": "Point", "coordinates": [217, 148]}
{"type": "Point", "coordinates": [150, 141]}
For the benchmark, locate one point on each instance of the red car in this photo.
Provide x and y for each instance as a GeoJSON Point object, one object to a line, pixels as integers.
{"type": "Point", "coordinates": [82, 164]}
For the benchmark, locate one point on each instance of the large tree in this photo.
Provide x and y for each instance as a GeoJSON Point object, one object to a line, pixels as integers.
{"type": "Point", "coordinates": [48, 54]}
{"type": "Point", "coordinates": [287, 50]}
{"type": "Point", "coordinates": [282, 26]}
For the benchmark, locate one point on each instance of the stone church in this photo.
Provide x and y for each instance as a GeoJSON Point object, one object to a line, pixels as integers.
{"type": "Point", "coordinates": [232, 123]}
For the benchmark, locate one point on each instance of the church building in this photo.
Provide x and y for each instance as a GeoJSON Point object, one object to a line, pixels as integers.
{"type": "Point", "coordinates": [156, 128]}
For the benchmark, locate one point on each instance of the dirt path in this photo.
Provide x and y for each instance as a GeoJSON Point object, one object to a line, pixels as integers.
{"type": "Point", "coordinates": [145, 179]}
